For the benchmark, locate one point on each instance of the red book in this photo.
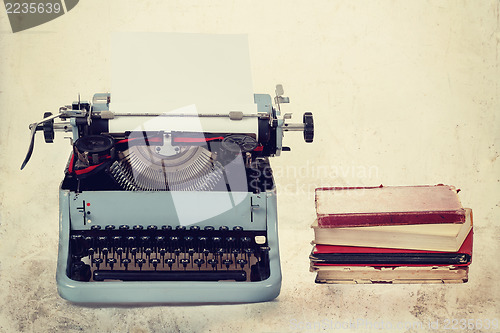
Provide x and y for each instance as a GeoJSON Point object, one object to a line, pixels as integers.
{"type": "Point", "coordinates": [380, 206]}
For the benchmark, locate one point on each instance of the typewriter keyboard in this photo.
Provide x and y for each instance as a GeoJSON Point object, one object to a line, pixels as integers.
{"type": "Point", "coordinates": [138, 253]}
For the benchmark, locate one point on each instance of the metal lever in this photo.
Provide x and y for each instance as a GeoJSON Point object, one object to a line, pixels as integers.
{"type": "Point", "coordinates": [34, 127]}
{"type": "Point", "coordinates": [279, 96]}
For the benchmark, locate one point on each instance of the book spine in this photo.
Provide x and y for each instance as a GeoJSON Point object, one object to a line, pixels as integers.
{"type": "Point", "coordinates": [383, 219]}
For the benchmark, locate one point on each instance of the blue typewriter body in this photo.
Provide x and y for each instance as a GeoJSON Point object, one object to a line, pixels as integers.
{"type": "Point", "coordinates": [168, 216]}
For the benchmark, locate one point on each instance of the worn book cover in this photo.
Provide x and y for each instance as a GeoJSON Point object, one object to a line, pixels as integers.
{"type": "Point", "coordinates": [447, 237]}
{"type": "Point", "coordinates": [355, 255]}
{"type": "Point", "coordinates": [392, 275]}
{"type": "Point", "coordinates": [386, 205]}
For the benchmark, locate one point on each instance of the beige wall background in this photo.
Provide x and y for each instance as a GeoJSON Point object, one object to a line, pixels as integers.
{"type": "Point", "coordinates": [403, 93]}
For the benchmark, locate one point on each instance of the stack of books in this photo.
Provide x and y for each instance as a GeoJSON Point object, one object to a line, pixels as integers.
{"type": "Point", "coordinates": [407, 234]}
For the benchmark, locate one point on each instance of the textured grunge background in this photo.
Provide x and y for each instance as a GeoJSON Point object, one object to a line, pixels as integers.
{"type": "Point", "coordinates": [403, 93]}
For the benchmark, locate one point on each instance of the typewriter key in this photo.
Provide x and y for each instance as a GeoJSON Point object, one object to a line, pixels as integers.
{"type": "Point", "coordinates": [102, 240]}
{"type": "Point", "coordinates": [111, 262]}
{"type": "Point", "coordinates": [170, 262]}
{"type": "Point", "coordinates": [246, 240]}
{"type": "Point", "coordinates": [154, 262]}
{"type": "Point", "coordinates": [119, 251]}
{"type": "Point", "coordinates": [230, 242]}
{"type": "Point", "coordinates": [160, 240]}
{"type": "Point", "coordinates": [265, 249]}
{"type": "Point", "coordinates": [241, 262]}
{"type": "Point", "coordinates": [145, 240]}
{"type": "Point", "coordinates": [221, 251]}
{"type": "Point", "coordinates": [148, 251]}
{"type": "Point", "coordinates": [130, 241]}
{"type": "Point", "coordinates": [97, 262]}
{"type": "Point", "coordinates": [89, 240]}
{"type": "Point", "coordinates": [236, 252]}
{"type": "Point", "coordinates": [184, 262]}
{"type": "Point", "coordinates": [213, 263]}
{"type": "Point", "coordinates": [77, 244]}
{"type": "Point", "coordinates": [76, 237]}
{"type": "Point", "coordinates": [134, 251]}
{"type": "Point", "coordinates": [227, 262]}
{"type": "Point", "coordinates": [249, 251]}
{"type": "Point", "coordinates": [139, 262]}
{"type": "Point", "coordinates": [188, 240]}
{"type": "Point", "coordinates": [116, 240]}
{"type": "Point", "coordinates": [199, 262]}
{"type": "Point", "coordinates": [80, 272]}
{"type": "Point", "coordinates": [126, 262]}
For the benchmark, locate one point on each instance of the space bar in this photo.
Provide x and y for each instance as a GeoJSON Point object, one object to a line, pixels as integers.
{"type": "Point", "coordinates": [237, 275]}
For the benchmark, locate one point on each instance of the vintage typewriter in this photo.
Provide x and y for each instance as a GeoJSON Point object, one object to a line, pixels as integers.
{"type": "Point", "coordinates": [166, 215]}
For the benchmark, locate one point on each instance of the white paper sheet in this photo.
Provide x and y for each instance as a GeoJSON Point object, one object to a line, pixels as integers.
{"type": "Point", "coordinates": [189, 74]}
{"type": "Point", "coordinates": [172, 72]}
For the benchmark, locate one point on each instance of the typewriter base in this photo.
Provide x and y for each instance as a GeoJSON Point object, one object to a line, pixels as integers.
{"type": "Point", "coordinates": [150, 292]}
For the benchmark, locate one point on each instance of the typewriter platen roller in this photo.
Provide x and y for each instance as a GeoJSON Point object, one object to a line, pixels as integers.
{"type": "Point", "coordinates": [152, 215]}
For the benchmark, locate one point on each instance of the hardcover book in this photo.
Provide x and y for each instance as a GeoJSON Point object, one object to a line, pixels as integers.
{"type": "Point", "coordinates": [379, 206]}
{"type": "Point", "coordinates": [447, 237]}
{"type": "Point", "coordinates": [399, 274]}
{"type": "Point", "coordinates": [353, 255]}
